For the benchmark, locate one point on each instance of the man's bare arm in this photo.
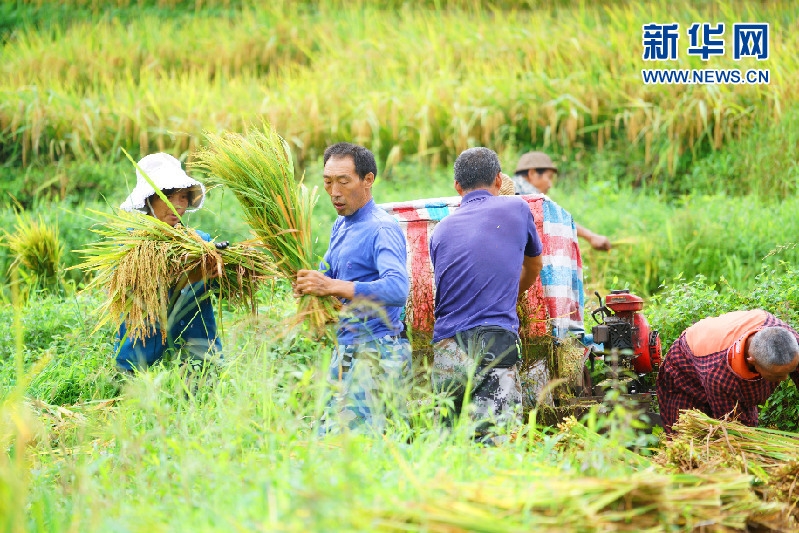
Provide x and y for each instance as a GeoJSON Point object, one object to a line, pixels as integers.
{"type": "Point", "coordinates": [598, 242]}
{"type": "Point", "coordinates": [531, 268]}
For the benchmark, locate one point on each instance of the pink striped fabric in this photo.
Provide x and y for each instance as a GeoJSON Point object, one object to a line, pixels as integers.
{"type": "Point", "coordinates": [553, 304]}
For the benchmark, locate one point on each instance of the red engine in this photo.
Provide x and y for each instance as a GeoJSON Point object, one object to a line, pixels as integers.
{"type": "Point", "coordinates": [623, 326]}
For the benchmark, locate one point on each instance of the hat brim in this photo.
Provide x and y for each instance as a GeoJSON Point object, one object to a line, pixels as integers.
{"type": "Point", "coordinates": [545, 167]}
{"type": "Point", "coordinates": [137, 200]}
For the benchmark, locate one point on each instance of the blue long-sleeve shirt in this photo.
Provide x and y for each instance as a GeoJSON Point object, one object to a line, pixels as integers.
{"type": "Point", "coordinates": [191, 324]}
{"type": "Point", "coordinates": [369, 249]}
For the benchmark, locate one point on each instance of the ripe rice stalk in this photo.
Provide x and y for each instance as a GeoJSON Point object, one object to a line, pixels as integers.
{"type": "Point", "coordinates": [142, 262]}
{"type": "Point", "coordinates": [36, 248]}
{"type": "Point", "coordinates": [88, 67]}
{"type": "Point", "coordinates": [570, 359]}
{"type": "Point", "coordinates": [258, 168]}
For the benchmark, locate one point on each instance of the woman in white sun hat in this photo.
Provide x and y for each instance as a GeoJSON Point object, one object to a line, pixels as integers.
{"type": "Point", "coordinates": [191, 326]}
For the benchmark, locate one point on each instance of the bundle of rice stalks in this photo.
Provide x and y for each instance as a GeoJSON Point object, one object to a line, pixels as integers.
{"type": "Point", "coordinates": [142, 262]}
{"type": "Point", "coordinates": [258, 168]}
{"type": "Point", "coordinates": [703, 444]}
{"type": "Point", "coordinates": [36, 247]}
{"type": "Point", "coordinates": [550, 501]}
{"type": "Point", "coordinates": [571, 355]}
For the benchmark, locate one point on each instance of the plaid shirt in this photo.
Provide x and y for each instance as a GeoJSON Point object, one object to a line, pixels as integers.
{"type": "Point", "coordinates": [709, 384]}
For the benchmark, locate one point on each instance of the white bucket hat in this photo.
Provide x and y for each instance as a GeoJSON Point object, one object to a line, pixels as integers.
{"type": "Point", "coordinates": [165, 171]}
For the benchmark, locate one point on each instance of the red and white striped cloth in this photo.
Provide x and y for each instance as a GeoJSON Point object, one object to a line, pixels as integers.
{"type": "Point", "coordinates": [553, 305]}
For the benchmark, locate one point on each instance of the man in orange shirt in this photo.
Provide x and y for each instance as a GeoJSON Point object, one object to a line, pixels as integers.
{"type": "Point", "coordinates": [728, 364]}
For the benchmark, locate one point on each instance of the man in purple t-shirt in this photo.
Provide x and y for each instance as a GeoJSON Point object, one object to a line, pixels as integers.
{"type": "Point", "coordinates": [484, 256]}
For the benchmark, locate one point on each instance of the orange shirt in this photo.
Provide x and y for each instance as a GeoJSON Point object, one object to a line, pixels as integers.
{"type": "Point", "coordinates": [727, 332]}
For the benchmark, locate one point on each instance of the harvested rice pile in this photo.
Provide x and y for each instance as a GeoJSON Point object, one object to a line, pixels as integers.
{"type": "Point", "coordinates": [703, 445]}
{"type": "Point", "coordinates": [553, 496]}
{"type": "Point", "coordinates": [552, 501]}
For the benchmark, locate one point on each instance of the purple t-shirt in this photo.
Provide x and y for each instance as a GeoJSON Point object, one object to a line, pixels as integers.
{"type": "Point", "coordinates": [477, 254]}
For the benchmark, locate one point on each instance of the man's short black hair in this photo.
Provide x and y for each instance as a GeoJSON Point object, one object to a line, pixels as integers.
{"type": "Point", "coordinates": [477, 167]}
{"type": "Point", "coordinates": [363, 158]}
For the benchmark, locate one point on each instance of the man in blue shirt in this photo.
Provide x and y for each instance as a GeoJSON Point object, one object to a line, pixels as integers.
{"type": "Point", "coordinates": [485, 255]}
{"type": "Point", "coordinates": [365, 266]}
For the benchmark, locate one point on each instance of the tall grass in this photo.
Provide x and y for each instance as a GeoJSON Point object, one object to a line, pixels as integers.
{"type": "Point", "coordinates": [244, 455]}
{"type": "Point", "coordinates": [63, 363]}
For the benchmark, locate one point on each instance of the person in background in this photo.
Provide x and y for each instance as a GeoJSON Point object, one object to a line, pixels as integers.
{"type": "Point", "coordinates": [476, 345]}
{"type": "Point", "coordinates": [535, 174]}
{"type": "Point", "coordinates": [365, 267]}
{"type": "Point", "coordinates": [727, 365]}
{"type": "Point", "coordinates": [191, 327]}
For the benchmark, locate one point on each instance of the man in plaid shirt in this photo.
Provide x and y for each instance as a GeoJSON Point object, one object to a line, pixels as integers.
{"type": "Point", "coordinates": [728, 364]}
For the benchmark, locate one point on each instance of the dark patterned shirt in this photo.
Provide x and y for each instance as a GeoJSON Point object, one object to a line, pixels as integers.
{"type": "Point", "coordinates": [707, 381]}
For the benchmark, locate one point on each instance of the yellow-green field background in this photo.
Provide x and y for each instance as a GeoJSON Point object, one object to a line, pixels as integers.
{"type": "Point", "coordinates": [695, 185]}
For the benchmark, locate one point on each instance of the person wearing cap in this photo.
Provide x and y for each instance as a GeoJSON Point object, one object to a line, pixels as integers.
{"type": "Point", "coordinates": [534, 174]}
{"type": "Point", "coordinates": [365, 267]}
{"type": "Point", "coordinates": [727, 365]}
{"type": "Point", "coordinates": [191, 326]}
{"type": "Point", "coordinates": [476, 346]}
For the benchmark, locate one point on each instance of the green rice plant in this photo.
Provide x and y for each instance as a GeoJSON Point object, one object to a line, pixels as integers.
{"type": "Point", "coordinates": [142, 261]}
{"type": "Point", "coordinates": [37, 250]}
{"type": "Point", "coordinates": [682, 302]}
{"type": "Point", "coordinates": [656, 238]}
{"type": "Point", "coordinates": [781, 409]}
{"type": "Point", "coordinates": [259, 169]}
{"type": "Point", "coordinates": [18, 428]}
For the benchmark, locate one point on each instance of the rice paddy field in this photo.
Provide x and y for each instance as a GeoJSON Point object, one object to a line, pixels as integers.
{"type": "Point", "coordinates": [694, 184]}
